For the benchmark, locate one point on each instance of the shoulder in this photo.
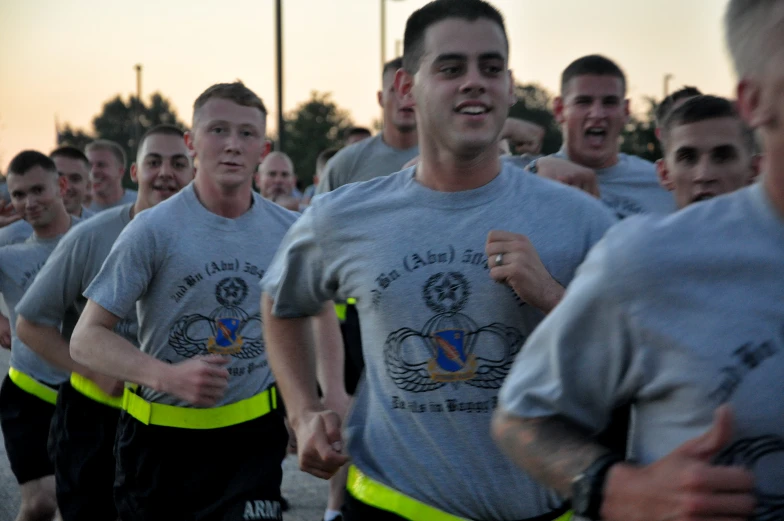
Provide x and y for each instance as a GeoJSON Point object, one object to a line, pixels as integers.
{"type": "Point", "coordinates": [638, 165]}
{"type": "Point", "coordinates": [274, 213]}
{"type": "Point", "coordinates": [15, 232]}
{"type": "Point", "coordinates": [348, 196]}
{"type": "Point", "coordinates": [96, 225]}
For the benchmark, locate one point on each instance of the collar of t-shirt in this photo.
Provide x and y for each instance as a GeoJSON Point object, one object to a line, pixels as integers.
{"type": "Point", "coordinates": [35, 239]}
{"type": "Point", "coordinates": [207, 218]}
{"type": "Point", "coordinates": [458, 200]}
{"type": "Point", "coordinates": [619, 168]}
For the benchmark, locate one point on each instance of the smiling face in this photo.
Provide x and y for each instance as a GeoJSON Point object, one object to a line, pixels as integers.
{"type": "Point", "coordinates": [37, 195]}
{"type": "Point", "coordinates": [162, 169]}
{"type": "Point", "coordinates": [462, 90]}
{"type": "Point", "coordinates": [592, 113]}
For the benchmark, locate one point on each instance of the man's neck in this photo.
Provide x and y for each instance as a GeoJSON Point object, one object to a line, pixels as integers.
{"type": "Point", "coordinates": [442, 171]}
{"type": "Point", "coordinates": [397, 139]}
{"type": "Point", "coordinates": [595, 165]}
{"type": "Point", "coordinates": [109, 198]}
{"type": "Point", "coordinates": [773, 179]}
{"type": "Point", "coordinates": [58, 226]}
{"type": "Point", "coordinates": [229, 202]}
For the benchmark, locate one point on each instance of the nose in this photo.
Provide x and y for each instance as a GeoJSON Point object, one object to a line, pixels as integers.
{"type": "Point", "coordinates": [166, 169]}
{"type": "Point", "coordinates": [474, 81]}
{"type": "Point", "coordinates": [705, 171]}
{"type": "Point", "coordinates": [232, 143]}
{"type": "Point", "coordinates": [598, 110]}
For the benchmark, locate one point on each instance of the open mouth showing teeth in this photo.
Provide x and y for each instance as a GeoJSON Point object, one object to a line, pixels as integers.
{"type": "Point", "coordinates": [703, 197]}
{"type": "Point", "coordinates": [473, 110]}
{"type": "Point", "coordinates": [600, 132]}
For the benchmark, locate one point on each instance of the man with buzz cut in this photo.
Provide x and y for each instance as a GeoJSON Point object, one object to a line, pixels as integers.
{"type": "Point", "coordinates": [199, 438]}
{"type": "Point", "coordinates": [683, 318]}
{"type": "Point", "coordinates": [88, 407]}
{"type": "Point", "coordinates": [592, 110]}
{"type": "Point", "coordinates": [472, 256]}
{"type": "Point", "coordinates": [107, 169]}
{"type": "Point", "coordinates": [29, 392]}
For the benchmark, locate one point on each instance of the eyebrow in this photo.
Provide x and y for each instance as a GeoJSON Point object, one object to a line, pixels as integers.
{"type": "Point", "coordinates": [462, 57]}
{"type": "Point", "coordinates": [154, 155]}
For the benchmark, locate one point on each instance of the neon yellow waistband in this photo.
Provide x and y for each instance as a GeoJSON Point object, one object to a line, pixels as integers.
{"type": "Point", "coordinates": [340, 308]}
{"type": "Point", "coordinates": [380, 496]}
{"type": "Point", "coordinates": [31, 385]}
{"type": "Point", "coordinates": [91, 390]}
{"type": "Point", "coordinates": [193, 418]}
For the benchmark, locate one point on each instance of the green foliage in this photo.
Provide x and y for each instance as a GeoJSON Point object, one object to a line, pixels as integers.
{"type": "Point", "coordinates": [639, 135]}
{"type": "Point", "coordinates": [315, 125]}
{"type": "Point", "coordinates": [117, 122]}
{"type": "Point", "coordinates": [535, 104]}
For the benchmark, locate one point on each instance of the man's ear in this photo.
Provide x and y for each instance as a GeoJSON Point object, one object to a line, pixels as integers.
{"type": "Point", "coordinates": [404, 88]}
{"type": "Point", "coordinates": [757, 162]}
{"type": "Point", "coordinates": [664, 175]}
{"type": "Point", "coordinates": [134, 173]}
{"type": "Point", "coordinates": [62, 184]}
{"type": "Point", "coordinates": [558, 110]}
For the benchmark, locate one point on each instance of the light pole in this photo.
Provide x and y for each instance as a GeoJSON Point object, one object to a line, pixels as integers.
{"type": "Point", "coordinates": [667, 78]}
{"type": "Point", "coordinates": [279, 44]}
{"type": "Point", "coordinates": [384, 33]}
{"type": "Point", "coordinates": [138, 126]}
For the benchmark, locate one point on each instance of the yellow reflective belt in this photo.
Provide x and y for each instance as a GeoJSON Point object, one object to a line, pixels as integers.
{"type": "Point", "coordinates": [33, 386]}
{"type": "Point", "coordinates": [340, 308]}
{"type": "Point", "coordinates": [380, 496]}
{"type": "Point", "coordinates": [91, 390]}
{"type": "Point", "coordinates": [193, 418]}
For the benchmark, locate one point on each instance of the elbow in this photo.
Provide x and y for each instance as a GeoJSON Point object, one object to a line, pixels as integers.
{"type": "Point", "coordinates": [24, 332]}
{"type": "Point", "coordinates": [77, 344]}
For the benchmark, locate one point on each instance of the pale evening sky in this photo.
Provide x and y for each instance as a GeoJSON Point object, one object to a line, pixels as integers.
{"type": "Point", "coordinates": [65, 59]}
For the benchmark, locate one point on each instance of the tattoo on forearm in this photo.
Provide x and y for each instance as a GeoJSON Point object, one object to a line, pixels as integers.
{"type": "Point", "coordinates": [553, 450]}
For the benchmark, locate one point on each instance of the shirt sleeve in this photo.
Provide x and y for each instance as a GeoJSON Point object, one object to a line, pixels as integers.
{"type": "Point", "coordinates": [301, 276]}
{"type": "Point", "coordinates": [130, 267]}
{"type": "Point", "coordinates": [56, 287]}
{"type": "Point", "coordinates": [583, 360]}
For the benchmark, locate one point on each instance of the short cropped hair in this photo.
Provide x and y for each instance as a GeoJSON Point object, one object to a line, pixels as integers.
{"type": "Point", "coordinates": [704, 108]}
{"type": "Point", "coordinates": [110, 146]}
{"type": "Point", "coordinates": [323, 157]}
{"type": "Point", "coordinates": [438, 11]}
{"type": "Point", "coordinates": [665, 107]}
{"type": "Point", "coordinates": [236, 92]}
{"type": "Point", "coordinates": [392, 66]}
{"type": "Point", "coordinates": [69, 152]}
{"type": "Point", "coordinates": [753, 31]}
{"type": "Point", "coordinates": [592, 65]}
{"type": "Point", "coordinates": [26, 160]}
{"type": "Point", "coordinates": [357, 131]}
{"type": "Point", "coordinates": [161, 130]}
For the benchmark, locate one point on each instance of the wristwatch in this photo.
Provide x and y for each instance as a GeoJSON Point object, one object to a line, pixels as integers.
{"type": "Point", "coordinates": [588, 487]}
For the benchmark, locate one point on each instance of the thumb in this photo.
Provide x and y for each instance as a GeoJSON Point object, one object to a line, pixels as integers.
{"type": "Point", "coordinates": [331, 422]}
{"type": "Point", "coordinates": [705, 447]}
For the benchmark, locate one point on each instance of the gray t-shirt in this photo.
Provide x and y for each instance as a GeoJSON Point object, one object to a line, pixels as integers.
{"type": "Point", "coordinates": [363, 161]}
{"type": "Point", "coordinates": [20, 230]}
{"type": "Point", "coordinates": [19, 265]}
{"type": "Point", "coordinates": [195, 275]}
{"type": "Point", "coordinates": [438, 334]}
{"type": "Point", "coordinates": [676, 316]}
{"type": "Point", "coordinates": [129, 196]}
{"type": "Point", "coordinates": [70, 269]}
{"type": "Point", "coordinates": [632, 187]}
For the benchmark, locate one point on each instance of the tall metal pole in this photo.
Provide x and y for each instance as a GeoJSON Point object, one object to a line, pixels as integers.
{"type": "Point", "coordinates": [279, 43]}
{"type": "Point", "coordinates": [138, 109]}
{"type": "Point", "coordinates": [667, 78]}
{"type": "Point", "coordinates": [383, 35]}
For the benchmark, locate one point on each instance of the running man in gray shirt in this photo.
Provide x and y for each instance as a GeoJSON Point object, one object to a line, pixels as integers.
{"type": "Point", "coordinates": [107, 169]}
{"type": "Point", "coordinates": [681, 317]}
{"type": "Point", "coordinates": [201, 437]}
{"type": "Point", "coordinates": [88, 406]}
{"type": "Point", "coordinates": [28, 393]}
{"type": "Point", "coordinates": [382, 154]}
{"type": "Point", "coordinates": [453, 264]}
{"type": "Point", "coordinates": [592, 110]}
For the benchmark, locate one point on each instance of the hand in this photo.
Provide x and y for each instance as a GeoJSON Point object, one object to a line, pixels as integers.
{"type": "Point", "coordinates": [5, 332]}
{"type": "Point", "coordinates": [568, 173]}
{"type": "Point", "coordinates": [522, 269]}
{"type": "Point", "coordinates": [200, 381]}
{"type": "Point", "coordinates": [684, 484]}
{"type": "Point", "coordinates": [339, 402]}
{"type": "Point", "coordinates": [319, 443]}
{"type": "Point", "coordinates": [524, 136]}
{"type": "Point", "coordinates": [8, 213]}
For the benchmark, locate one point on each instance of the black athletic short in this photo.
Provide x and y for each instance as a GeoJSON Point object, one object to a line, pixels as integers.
{"type": "Point", "coordinates": [82, 449]}
{"type": "Point", "coordinates": [231, 473]}
{"type": "Point", "coordinates": [25, 421]}
{"type": "Point", "coordinates": [356, 510]}
{"type": "Point", "coordinates": [352, 343]}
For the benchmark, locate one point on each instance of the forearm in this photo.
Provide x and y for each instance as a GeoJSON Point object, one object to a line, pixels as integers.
{"type": "Point", "coordinates": [551, 297]}
{"type": "Point", "coordinates": [329, 352]}
{"type": "Point", "coordinates": [292, 361]}
{"type": "Point", "coordinates": [104, 351]}
{"type": "Point", "coordinates": [49, 344]}
{"type": "Point", "coordinates": [552, 449]}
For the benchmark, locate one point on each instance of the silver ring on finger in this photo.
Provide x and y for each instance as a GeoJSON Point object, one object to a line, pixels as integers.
{"type": "Point", "coordinates": [499, 259]}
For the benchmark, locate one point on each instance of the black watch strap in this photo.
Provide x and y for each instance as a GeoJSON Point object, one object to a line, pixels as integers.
{"type": "Point", "coordinates": [588, 487]}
